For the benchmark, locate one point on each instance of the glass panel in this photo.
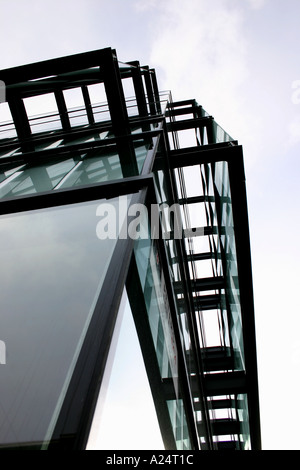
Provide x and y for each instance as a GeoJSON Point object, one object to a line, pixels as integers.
{"type": "Point", "coordinates": [177, 274]}
{"type": "Point", "coordinates": [52, 269]}
{"type": "Point", "coordinates": [4, 174]}
{"type": "Point", "coordinates": [228, 241]}
{"type": "Point", "coordinates": [219, 134]}
{"type": "Point", "coordinates": [96, 166]}
{"type": "Point", "coordinates": [156, 299]}
{"type": "Point", "coordinates": [242, 405]}
{"type": "Point", "coordinates": [9, 152]}
{"type": "Point", "coordinates": [103, 166]}
{"type": "Point", "coordinates": [35, 179]}
{"type": "Point", "coordinates": [125, 416]}
{"type": "Point", "coordinates": [141, 149]}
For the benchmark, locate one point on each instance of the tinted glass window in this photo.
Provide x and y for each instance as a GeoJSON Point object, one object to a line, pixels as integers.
{"type": "Point", "coordinates": [51, 272]}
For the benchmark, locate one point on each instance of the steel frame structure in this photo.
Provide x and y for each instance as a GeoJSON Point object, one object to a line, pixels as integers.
{"type": "Point", "coordinates": [210, 380]}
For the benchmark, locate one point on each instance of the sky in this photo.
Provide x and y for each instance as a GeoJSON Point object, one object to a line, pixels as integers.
{"type": "Point", "coordinates": [239, 60]}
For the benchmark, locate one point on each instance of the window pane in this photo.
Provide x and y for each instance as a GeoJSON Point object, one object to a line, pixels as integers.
{"type": "Point", "coordinates": [35, 179]}
{"type": "Point", "coordinates": [153, 284]}
{"type": "Point", "coordinates": [125, 416]}
{"type": "Point", "coordinates": [51, 272]}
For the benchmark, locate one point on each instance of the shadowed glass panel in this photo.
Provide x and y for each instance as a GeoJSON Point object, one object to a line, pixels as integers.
{"type": "Point", "coordinates": [51, 273]}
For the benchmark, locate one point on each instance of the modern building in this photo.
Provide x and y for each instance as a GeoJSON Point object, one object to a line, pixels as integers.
{"type": "Point", "coordinates": [125, 274]}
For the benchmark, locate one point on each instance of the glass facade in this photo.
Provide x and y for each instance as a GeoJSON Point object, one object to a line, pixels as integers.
{"type": "Point", "coordinates": [126, 273]}
{"type": "Point", "coordinates": [229, 248]}
{"type": "Point", "coordinates": [52, 270]}
{"type": "Point", "coordinates": [125, 396]}
{"type": "Point", "coordinates": [162, 331]}
{"type": "Point", "coordinates": [88, 168]}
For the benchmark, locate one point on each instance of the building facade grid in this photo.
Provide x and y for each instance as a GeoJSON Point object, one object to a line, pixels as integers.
{"type": "Point", "coordinates": [87, 130]}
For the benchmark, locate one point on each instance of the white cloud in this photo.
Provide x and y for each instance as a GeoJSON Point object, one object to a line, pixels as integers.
{"type": "Point", "coordinates": [257, 4]}
{"type": "Point", "coordinates": [200, 51]}
{"type": "Point", "coordinates": [205, 51]}
{"type": "Point", "coordinates": [199, 43]}
{"type": "Point", "coordinates": [143, 5]}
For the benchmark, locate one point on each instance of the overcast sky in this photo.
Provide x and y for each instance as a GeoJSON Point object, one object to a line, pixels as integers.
{"type": "Point", "coordinates": [240, 60]}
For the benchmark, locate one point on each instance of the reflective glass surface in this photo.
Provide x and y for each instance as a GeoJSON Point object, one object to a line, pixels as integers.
{"type": "Point", "coordinates": [153, 283]}
{"type": "Point", "coordinates": [178, 276]}
{"type": "Point", "coordinates": [219, 134]}
{"type": "Point", "coordinates": [51, 273]}
{"type": "Point", "coordinates": [244, 420]}
{"type": "Point", "coordinates": [228, 242]}
{"type": "Point", "coordinates": [95, 166]}
{"type": "Point", "coordinates": [125, 416]}
{"type": "Point", "coordinates": [30, 180]}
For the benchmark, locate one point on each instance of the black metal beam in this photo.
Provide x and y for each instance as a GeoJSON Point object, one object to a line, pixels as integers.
{"type": "Point", "coordinates": [139, 88]}
{"type": "Point", "coordinates": [209, 302]}
{"type": "Point", "coordinates": [201, 256]}
{"type": "Point", "coordinates": [177, 104]}
{"type": "Point", "coordinates": [63, 110]}
{"type": "Point", "coordinates": [185, 124]}
{"type": "Point", "coordinates": [88, 105]}
{"type": "Point", "coordinates": [205, 154]}
{"type": "Point", "coordinates": [118, 113]}
{"type": "Point", "coordinates": [208, 283]}
{"type": "Point", "coordinates": [66, 150]}
{"type": "Point", "coordinates": [150, 91]}
{"type": "Point", "coordinates": [225, 383]}
{"type": "Point", "coordinates": [155, 90]}
{"type": "Point", "coordinates": [63, 197]}
{"type": "Point", "coordinates": [196, 199]}
{"type": "Point", "coordinates": [243, 254]}
{"type": "Point", "coordinates": [221, 404]}
{"type": "Point", "coordinates": [52, 67]}
{"type": "Point", "coordinates": [218, 360]}
{"type": "Point", "coordinates": [223, 427]}
{"type": "Point", "coordinates": [203, 302]}
{"type": "Point", "coordinates": [215, 384]}
{"type": "Point", "coordinates": [187, 293]}
{"type": "Point", "coordinates": [173, 111]}
{"type": "Point", "coordinates": [228, 445]}
{"type": "Point", "coordinates": [21, 122]}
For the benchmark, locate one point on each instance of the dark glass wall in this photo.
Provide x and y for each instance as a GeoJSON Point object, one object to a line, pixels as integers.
{"type": "Point", "coordinates": [51, 273]}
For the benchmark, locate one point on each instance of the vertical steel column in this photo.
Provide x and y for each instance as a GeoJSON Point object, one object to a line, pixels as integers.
{"type": "Point", "coordinates": [139, 88]}
{"type": "Point", "coordinates": [150, 91]}
{"type": "Point", "coordinates": [20, 118]}
{"type": "Point", "coordinates": [88, 105]}
{"type": "Point", "coordinates": [63, 111]}
{"type": "Point", "coordinates": [118, 112]}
